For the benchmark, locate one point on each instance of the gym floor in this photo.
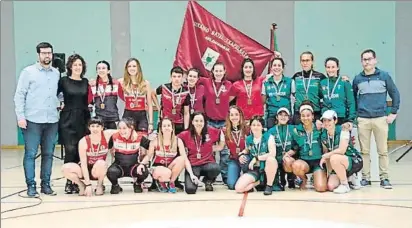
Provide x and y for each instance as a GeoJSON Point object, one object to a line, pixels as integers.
{"type": "Point", "coordinates": [367, 207]}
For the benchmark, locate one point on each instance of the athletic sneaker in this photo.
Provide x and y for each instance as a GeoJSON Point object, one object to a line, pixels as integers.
{"type": "Point", "coordinates": [162, 187]}
{"type": "Point", "coordinates": [47, 190]}
{"type": "Point", "coordinates": [341, 189]}
{"type": "Point", "coordinates": [354, 182]}
{"type": "Point", "coordinates": [208, 186]}
{"type": "Point", "coordinates": [386, 184]}
{"type": "Point", "coordinates": [365, 183]}
{"type": "Point", "coordinates": [172, 187]}
{"type": "Point", "coordinates": [137, 187]}
{"type": "Point", "coordinates": [31, 191]}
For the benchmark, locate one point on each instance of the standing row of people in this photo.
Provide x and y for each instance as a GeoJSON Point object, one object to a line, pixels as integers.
{"type": "Point", "coordinates": [209, 97]}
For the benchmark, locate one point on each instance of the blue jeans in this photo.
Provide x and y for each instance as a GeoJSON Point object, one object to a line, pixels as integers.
{"type": "Point", "coordinates": [224, 154]}
{"type": "Point", "coordinates": [45, 135]}
{"type": "Point", "coordinates": [233, 172]}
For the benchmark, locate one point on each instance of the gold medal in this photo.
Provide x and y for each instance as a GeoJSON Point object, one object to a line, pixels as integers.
{"type": "Point", "coordinates": [174, 111]}
{"type": "Point", "coordinates": [277, 98]}
{"type": "Point", "coordinates": [310, 153]}
{"type": "Point", "coordinates": [102, 105]}
{"type": "Point", "coordinates": [284, 152]}
{"type": "Point", "coordinates": [192, 111]}
{"type": "Point", "coordinates": [306, 97]}
{"type": "Point", "coordinates": [217, 100]}
{"type": "Point", "coordinates": [198, 156]}
{"type": "Point", "coordinates": [249, 101]}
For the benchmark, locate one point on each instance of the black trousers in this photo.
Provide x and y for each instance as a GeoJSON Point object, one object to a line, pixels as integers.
{"type": "Point", "coordinates": [209, 172]}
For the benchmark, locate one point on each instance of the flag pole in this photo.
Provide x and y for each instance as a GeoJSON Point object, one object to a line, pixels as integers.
{"type": "Point", "coordinates": [273, 44]}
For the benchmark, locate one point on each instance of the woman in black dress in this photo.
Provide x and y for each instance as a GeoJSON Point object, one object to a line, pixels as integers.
{"type": "Point", "coordinates": [74, 113]}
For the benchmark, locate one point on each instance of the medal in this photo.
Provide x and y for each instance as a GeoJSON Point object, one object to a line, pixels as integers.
{"type": "Point", "coordinates": [192, 111]}
{"type": "Point", "coordinates": [102, 105]}
{"type": "Point", "coordinates": [304, 84]}
{"type": "Point", "coordinates": [284, 152]}
{"type": "Point", "coordinates": [330, 93]}
{"type": "Point", "coordinates": [217, 100]}
{"type": "Point", "coordinates": [306, 97]}
{"type": "Point", "coordinates": [283, 144]}
{"type": "Point", "coordinates": [310, 153]}
{"type": "Point", "coordinates": [237, 150]}
{"type": "Point", "coordinates": [198, 156]}
{"type": "Point", "coordinates": [198, 147]}
{"type": "Point", "coordinates": [277, 98]}
{"type": "Point", "coordinates": [249, 101]}
{"type": "Point", "coordinates": [217, 93]}
{"type": "Point", "coordinates": [192, 101]}
{"type": "Point", "coordinates": [309, 142]}
{"type": "Point", "coordinates": [173, 111]}
{"type": "Point", "coordinates": [176, 101]}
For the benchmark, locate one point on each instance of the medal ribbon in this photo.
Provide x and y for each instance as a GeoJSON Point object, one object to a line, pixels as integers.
{"type": "Point", "coordinates": [330, 93]}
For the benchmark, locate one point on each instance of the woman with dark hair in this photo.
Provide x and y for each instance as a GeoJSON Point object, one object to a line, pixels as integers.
{"type": "Point", "coordinates": [196, 91]}
{"type": "Point", "coordinates": [217, 99]}
{"type": "Point", "coordinates": [75, 113]}
{"type": "Point", "coordinates": [168, 156]}
{"type": "Point", "coordinates": [341, 156]}
{"type": "Point", "coordinates": [199, 140]}
{"type": "Point", "coordinates": [261, 148]}
{"type": "Point", "coordinates": [309, 149]}
{"type": "Point", "coordinates": [105, 92]}
{"type": "Point", "coordinates": [338, 94]}
{"type": "Point", "coordinates": [285, 147]}
{"type": "Point", "coordinates": [235, 132]}
{"type": "Point", "coordinates": [93, 149]}
{"type": "Point", "coordinates": [135, 91]}
{"type": "Point", "coordinates": [277, 92]}
{"type": "Point", "coordinates": [247, 91]}
{"type": "Point", "coordinates": [125, 145]}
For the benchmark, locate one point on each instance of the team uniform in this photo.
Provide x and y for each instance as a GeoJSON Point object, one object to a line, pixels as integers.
{"type": "Point", "coordinates": [135, 106]}
{"type": "Point", "coordinates": [126, 160]}
{"type": "Point", "coordinates": [354, 158]}
{"type": "Point", "coordinates": [105, 101]}
{"type": "Point", "coordinates": [172, 104]}
{"type": "Point", "coordinates": [201, 157]}
{"type": "Point", "coordinates": [197, 98]}
{"type": "Point", "coordinates": [278, 95]}
{"type": "Point", "coordinates": [308, 88]}
{"type": "Point", "coordinates": [257, 149]}
{"type": "Point", "coordinates": [235, 147]}
{"type": "Point", "coordinates": [309, 146]}
{"type": "Point", "coordinates": [95, 152]}
{"type": "Point", "coordinates": [338, 96]}
{"type": "Point", "coordinates": [164, 156]}
{"type": "Point", "coordinates": [248, 97]}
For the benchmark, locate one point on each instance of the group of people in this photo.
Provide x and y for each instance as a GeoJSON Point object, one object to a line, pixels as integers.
{"type": "Point", "coordinates": [269, 131]}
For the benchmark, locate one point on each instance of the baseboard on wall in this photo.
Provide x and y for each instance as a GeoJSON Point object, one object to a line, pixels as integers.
{"type": "Point", "coordinates": [21, 147]}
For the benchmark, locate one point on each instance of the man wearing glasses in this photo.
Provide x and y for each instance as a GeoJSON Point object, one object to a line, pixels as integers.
{"type": "Point", "coordinates": [37, 115]}
{"type": "Point", "coordinates": [370, 88]}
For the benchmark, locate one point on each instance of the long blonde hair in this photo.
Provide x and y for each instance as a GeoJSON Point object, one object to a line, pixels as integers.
{"type": "Point", "coordinates": [228, 124]}
{"type": "Point", "coordinates": [173, 140]}
{"type": "Point", "coordinates": [127, 78]}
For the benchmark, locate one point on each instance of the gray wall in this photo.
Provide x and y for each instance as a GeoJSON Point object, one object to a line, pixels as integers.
{"type": "Point", "coordinates": [8, 76]}
{"type": "Point", "coordinates": [257, 23]}
{"type": "Point", "coordinates": [403, 70]}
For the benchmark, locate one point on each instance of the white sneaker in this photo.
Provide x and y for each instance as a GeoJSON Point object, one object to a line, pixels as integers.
{"type": "Point", "coordinates": [341, 189]}
{"type": "Point", "coordinates": [355, 181]}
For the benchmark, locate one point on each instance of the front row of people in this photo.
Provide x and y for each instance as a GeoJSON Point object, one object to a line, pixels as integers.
{"type": "Point", "coordinates": [259, 159]}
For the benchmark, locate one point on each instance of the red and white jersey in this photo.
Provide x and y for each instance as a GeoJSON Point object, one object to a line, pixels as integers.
{"type": "Point", "coordinates": [134, 100]}
{"type": "Point", "coordinates": [127, 146]}
{"type": "Point", "coordinates": [95, 152]}
{"type": "Point", "coordinates": [163, 155]}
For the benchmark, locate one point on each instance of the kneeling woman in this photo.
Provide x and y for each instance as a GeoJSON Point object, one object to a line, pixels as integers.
{"type": "Point", "coordinates": [168, 155]}
{"type": "Point", "coordinates": [341, 156]}
{"type": "Point", "coordinates": [308, 140]}
{"type": "Point", "coordinates": [199, 140]}
{"type": "Point", "coordinates": [93, 151]}
{"type": "Point", "coordinates": [126, 148]}
{"type": "Point", "coordinates": [263, 166]}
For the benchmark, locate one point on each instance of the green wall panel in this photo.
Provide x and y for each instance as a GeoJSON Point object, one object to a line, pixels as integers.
{"type": "Point", "coordinates": [71, 27]}
{"type": "Point", "coordinates": [155, 30]}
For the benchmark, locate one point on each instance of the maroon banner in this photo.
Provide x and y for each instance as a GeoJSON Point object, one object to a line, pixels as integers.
{"type": "Point", "coordinates": [205, 40]}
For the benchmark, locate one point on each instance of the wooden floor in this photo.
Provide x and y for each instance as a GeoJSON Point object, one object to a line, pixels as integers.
{"type": "Point", "coordinates": [368, 207]}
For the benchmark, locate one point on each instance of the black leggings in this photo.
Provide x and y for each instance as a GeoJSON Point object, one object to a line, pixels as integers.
{"type": "Point", "coordinates": [140, 118]}
{"type": "Point", "coordinates": [209, 172]}
{"type": "Point", "coordinates": [110, 125]}
{"type": "Point", "coordinates": [125, 165]}
{"type": "Point", "coordinates": [71, 153]}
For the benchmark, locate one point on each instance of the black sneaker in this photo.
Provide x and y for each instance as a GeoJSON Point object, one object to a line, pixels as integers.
{"type": "Point", "coordinates": [137, 187]}
{"type": "Point", "coordinates": [179, 185]}
{"type": "Point", "coordinates": [153, 187]}
{"type": "Point", "coordinates": [31, 191]}
{"type": "Point", "coordinates": [268, 190]}
{"type": "Point", "coordinates": [69, 187]}
{"type": "Point", "coordinates": [46, 189]}
{"type": "Point", "coordinates": [386, 184]}
{"type": "Point", "coordinates": [116, 189]}
{"type": "Point", "coordinates": [76, 188]}
{"type": "Point", "coordinates": [291, 180]}
{"type": "Point", "coordinates": [365, 183]}
{"type": "Point", "coordinates": [208, 186]}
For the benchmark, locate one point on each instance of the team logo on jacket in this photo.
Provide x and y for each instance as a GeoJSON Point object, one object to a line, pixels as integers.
{"type": "Point", "coordinates": [209, 58]}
